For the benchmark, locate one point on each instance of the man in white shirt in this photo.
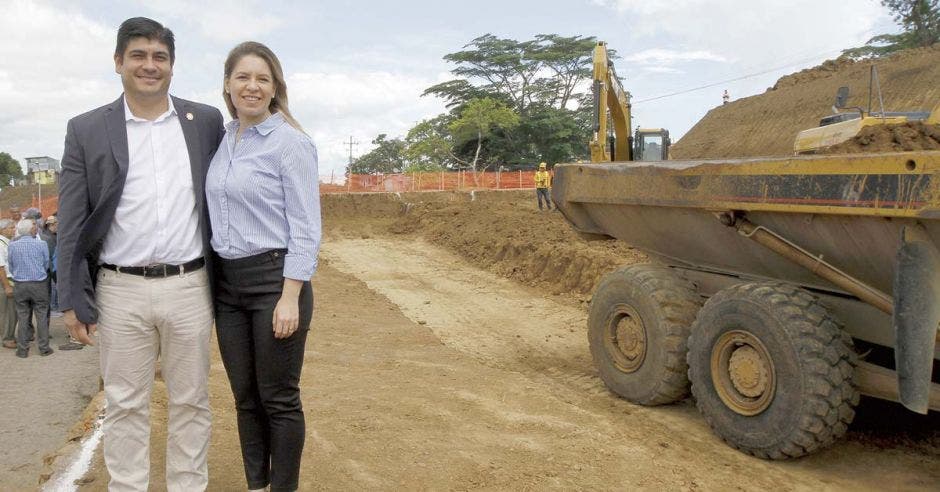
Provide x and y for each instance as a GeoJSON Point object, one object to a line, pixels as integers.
{"type": "Point", "coordinates": [132, 215]}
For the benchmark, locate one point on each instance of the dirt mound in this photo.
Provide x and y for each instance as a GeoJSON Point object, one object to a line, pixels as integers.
{"type": "Point", "coordinates": [26, 196]}
{"type": "Point", "coordinates": [906, 137]}
{"type": "Point", "coordinates": [502, 231]}
{"type": "Point", "coordinates": [767, 124]}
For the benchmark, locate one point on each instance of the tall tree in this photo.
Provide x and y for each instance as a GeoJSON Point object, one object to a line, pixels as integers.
{"type": "Point", "coordinates": [479, 118]}
{"type": "Point", "coordinates": [9, 167]}
{"type": "Point", "coordinates": [429, 144]}
{"type": "Point", "coordinates": [919, 18]}
{"type": "Point", "coordinates": [503, 67]}
{"type": "Point", "coordinates": [569, 60]}
{"type": "Point", "coordinates": [387, 157]}
{"type": "Point", "coordinates": [515, 72]}
{"type": "Point", "coordinates": [920, 24]}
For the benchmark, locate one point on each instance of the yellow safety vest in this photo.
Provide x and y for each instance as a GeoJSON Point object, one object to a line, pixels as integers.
{"type": "Point", "coordinates": [543, 179]}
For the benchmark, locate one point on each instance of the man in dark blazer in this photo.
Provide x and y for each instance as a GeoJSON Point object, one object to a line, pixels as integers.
{"type": "Point", "coordinates": [133, 256]}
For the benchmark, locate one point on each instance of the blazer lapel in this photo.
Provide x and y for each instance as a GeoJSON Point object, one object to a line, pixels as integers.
{"type": "Point", "coordinates": [117, 134]}
{"type": "Point", "coordinates": [186, 115]}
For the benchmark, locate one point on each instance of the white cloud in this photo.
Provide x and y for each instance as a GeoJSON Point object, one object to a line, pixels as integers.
{"type": "Point", "coordinates": [662, 69]}
{"type": "Point", "coordinates": [336, 105]}
{"type": "Point", "coordinates": [661, 56]}
{"type": "Point", "coordinates": [753, 44]}
{"type": "Point", "coordinates": [753, 32]}
{"type": "Point", "coordinates": [42, 83]}
{"type": "Point", "coordinates": [225, 21]}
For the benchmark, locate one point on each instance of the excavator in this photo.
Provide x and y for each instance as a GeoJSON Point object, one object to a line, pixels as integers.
{"type": "Point", "coordinates": [612, 102]}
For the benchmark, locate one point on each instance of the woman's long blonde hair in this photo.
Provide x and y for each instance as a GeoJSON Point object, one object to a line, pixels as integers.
{"type": "Point", "coordinates": [279, 101]}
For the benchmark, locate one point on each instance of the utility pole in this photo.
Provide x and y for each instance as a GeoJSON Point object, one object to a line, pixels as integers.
{"type": "Point", "coordinates": [351, 143]}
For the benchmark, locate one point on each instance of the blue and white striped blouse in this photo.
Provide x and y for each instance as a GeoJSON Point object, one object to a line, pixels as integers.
{"type": "Point", "coordinates": [263, 194]}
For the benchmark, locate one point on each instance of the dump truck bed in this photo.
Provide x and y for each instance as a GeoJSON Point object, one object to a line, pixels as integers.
{"type": "Point", "coordinates": [847, 209]}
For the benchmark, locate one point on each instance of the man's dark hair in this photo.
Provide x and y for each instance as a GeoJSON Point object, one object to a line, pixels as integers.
{"type": "Point", "coordinates": [142, 27]}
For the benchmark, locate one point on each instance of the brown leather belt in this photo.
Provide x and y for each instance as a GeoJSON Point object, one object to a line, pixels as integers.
{"type": "Point", "coordinates": [160, 270]}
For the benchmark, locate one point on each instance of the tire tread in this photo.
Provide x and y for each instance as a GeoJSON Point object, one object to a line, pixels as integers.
{"type": "Point", "coordinates": [826, 353]}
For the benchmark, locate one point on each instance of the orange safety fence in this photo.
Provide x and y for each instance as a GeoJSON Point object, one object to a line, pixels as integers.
{"type": "Point", "coordinates": [433, 181]}
{"type": "Point", "coordinates": [381, 183]}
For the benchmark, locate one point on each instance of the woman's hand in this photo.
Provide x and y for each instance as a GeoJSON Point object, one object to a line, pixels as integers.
{"type": "Point", "coordinates": [286, 319]}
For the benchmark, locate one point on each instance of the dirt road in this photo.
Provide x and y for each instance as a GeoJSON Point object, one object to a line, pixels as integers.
{"type": "Point", "coordinates": [423, 372]}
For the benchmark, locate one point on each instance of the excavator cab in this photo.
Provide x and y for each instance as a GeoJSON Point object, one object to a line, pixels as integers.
{"type": "Point", "coordinates": [651, 144]}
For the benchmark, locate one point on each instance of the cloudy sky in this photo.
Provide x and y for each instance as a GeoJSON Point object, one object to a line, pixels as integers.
{"type": "Point", "coordinates": [356, 69]}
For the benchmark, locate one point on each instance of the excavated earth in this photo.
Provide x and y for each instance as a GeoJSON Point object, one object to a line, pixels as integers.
{"type": "Point", "coordinates": [448, 352]}
{"type": "Point", "coordinates": [906, 137]}
{"type": "Point", "coordinates": [767, 124]}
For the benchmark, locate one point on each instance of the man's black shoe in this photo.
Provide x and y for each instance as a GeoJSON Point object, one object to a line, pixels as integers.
{"type": "Point", "coordinates": [71, 346]}
{"type": "Point", "coordinates": [22, 354]}
{"type": "Point", "coordinates": [47, 352]}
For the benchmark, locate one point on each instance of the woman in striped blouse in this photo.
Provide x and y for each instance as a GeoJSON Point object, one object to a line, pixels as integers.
{"type": "Point", "coordinates": [264, 207]}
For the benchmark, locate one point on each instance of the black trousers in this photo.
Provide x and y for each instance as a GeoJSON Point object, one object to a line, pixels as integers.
{"type": "Point", "coordinates": [264, 372]}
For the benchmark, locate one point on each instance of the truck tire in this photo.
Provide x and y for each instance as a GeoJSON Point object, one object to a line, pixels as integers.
{"type": "Point", "coordinates": [638, 326]}
{"type": "Point", "coordinates": [772, 371]}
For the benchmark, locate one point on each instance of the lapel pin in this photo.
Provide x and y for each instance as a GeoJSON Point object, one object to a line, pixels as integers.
{"type": "Point", "coordinates": [189, 116]}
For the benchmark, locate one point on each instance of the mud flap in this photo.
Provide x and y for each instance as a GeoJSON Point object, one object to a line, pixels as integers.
{"type": "Point", "coordinates": [916, 316]}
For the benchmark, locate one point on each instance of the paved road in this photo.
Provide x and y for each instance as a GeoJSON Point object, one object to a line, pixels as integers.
{"type": "Point", "coordinates": [40, 399]}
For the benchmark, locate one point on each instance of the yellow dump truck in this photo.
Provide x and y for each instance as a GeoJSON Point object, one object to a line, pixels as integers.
{"type": "Point", "coordinates": [782, 288]}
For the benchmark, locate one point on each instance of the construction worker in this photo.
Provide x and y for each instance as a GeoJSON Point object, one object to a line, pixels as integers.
{"type": "Point", "coordinates": [543, 183]}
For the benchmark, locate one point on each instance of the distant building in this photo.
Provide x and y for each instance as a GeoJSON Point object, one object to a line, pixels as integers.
{"type": "Point", "coordinates": [42, 170]}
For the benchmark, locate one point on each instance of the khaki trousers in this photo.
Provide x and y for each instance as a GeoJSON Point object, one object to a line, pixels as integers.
{"type": "Point", "coordinates": [140, 319]}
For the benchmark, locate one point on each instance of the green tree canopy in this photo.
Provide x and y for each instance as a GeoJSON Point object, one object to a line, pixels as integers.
{"type": "Point", "coordinates": [9, 167]}
{"type": "Point", "coordinates": [387, 157]}
{"type": "Point", "coordinates": [920, 24]}
{"type": "Point", "coordinates": [477, 121]}
{"type": "Point", "coordinates": [428, 145]}
{"type": "Point", "coordinates": [546, 70]}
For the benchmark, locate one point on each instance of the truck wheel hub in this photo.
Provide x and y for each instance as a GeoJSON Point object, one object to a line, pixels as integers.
{"type": "Point", "coordinates": [626, 338]}
{"type": "Point", "coordinates": [748, 371]}
{"type": "Point", "coordinates": [743, 373]}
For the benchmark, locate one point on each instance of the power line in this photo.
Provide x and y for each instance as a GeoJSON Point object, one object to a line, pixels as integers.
{"type": "Point", "coordinates": [743, 77]}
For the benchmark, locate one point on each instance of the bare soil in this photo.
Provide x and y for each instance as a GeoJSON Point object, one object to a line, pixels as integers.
{"type": "Point", "coordinates": [905, 137]}
{"type": "Point", "coordinates": [429, 367]}
{"type": "Point", "coordinates": [767, 124]}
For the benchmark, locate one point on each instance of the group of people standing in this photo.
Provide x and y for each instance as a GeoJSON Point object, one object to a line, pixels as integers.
{"type": "Point", "coordinates": [27, 275]}
{"type": "Point", "coordinates": [171, 221]}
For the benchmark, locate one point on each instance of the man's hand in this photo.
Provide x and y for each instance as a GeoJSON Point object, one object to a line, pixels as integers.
{"type": "Point", "coordinates": [8, 289]}
{"type": "Point", "coordinates": [78, 330]}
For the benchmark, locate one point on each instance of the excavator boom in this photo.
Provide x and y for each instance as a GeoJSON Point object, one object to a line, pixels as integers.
{"type": "Point", "coordinates": [609, 98]}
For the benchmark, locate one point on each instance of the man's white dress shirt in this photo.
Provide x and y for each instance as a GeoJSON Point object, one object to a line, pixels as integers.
{"type": "Point", "coordinates": [156, 220]}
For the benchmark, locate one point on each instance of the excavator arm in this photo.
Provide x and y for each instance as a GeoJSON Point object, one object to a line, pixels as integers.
{"type": "Point", "coordinates": [610, 100]}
